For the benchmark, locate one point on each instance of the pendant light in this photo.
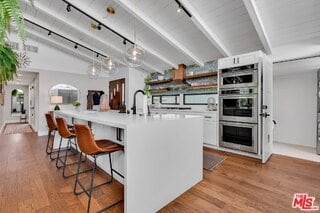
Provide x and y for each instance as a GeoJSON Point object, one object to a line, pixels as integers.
{"type": "Point", "coordinates": [134, 55]}
{"type": "Point", "coordinates": [94, 69]}
{"type": "Point", "coordinates": [111, 65]}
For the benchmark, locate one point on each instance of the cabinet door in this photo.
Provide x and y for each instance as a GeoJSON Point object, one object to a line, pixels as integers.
{"type": "Point", "coordinates": [246, 59]}
{"type": "Point", "coordinates": [210, 133]}
{"type": "Point", "coordinates": [226, 62]}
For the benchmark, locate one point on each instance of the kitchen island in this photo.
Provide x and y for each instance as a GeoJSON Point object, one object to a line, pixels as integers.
{"type": "Point", "coordinates": [162, 155]}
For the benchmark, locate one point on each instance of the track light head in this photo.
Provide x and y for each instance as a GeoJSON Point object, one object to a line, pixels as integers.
{"type": "Point", "coordinates": [97, 55]}
{"type": "Point", "coordinates": [69, 8]}
{"type": "Point", "coordinates": [99, 26]}
{"type": "Point", "coordinates": [76, 46]}
{"type": "Point", "coordinates": [179, 9]}
{"type": "Point", "coordinates": [49, 34]}
{"type": "Point", "coordinates": [124, 41]}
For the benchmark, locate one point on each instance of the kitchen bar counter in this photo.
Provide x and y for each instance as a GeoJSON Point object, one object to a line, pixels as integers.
{"type": "Point", "coordinates": [162, 157]}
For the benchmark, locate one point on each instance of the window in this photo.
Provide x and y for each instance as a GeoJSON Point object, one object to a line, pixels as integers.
{"type": "Point", "coordinates": [69, 93]}
{"type": "Point", "coordinates": [198, 99]}
{"type": "Point", "coordinates": [166, 99]}
{"type": "Point", "coordinates": [169, 99]}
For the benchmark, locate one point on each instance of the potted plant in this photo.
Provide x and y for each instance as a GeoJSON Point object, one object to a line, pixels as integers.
{"type": "Point", "coordinates": [10, 12]}
{"type": "Point", "coordinates": [14, 93]}
{"type": "Point", "coordinates": [76, 104]}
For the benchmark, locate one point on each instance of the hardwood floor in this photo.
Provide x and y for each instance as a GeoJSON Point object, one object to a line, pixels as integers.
{"type": "Point", "coordinates": [30, 182]}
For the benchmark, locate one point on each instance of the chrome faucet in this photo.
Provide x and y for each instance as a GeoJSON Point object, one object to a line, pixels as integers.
{"type": "Point", "coordinates": [134, 107]}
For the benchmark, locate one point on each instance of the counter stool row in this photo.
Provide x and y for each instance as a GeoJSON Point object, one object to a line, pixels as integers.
{"type": "Point", "coordinates": [81, 137]}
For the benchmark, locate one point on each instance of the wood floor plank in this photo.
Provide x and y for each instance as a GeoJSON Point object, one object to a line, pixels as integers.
{"type": "Point", "coordinates": [30, 182]}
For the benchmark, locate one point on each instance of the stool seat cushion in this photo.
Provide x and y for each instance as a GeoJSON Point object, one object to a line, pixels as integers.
{"type": "Point", "coordinates": [108, 146]}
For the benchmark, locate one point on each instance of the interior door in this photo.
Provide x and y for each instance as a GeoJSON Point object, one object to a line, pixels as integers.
{"type": "Point", "coordinates": [267, 109]}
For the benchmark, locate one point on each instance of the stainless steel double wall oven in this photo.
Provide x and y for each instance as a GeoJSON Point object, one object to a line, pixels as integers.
{"type": "Point", "coordinates": [239, 108]}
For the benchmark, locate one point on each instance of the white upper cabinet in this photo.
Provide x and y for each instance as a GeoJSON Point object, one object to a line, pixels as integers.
{"type": "Point", "coordinates": [240, 60]}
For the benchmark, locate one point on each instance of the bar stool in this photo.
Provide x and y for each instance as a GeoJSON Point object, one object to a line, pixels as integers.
{"type": "Point", "coordinates": [52, 128]}
{"type": "Point", "coordinates": [94, 148]}
{"type": "Point", "coordinates": [66, 133]}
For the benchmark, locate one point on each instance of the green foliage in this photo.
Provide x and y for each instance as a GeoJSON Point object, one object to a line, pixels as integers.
{"type": "Point", "coordinates": [8, 63]}
{"type": "Point", "coordinates": [148, 78]}
{"type": "Point", "coordinates": [76, 103]}
{"type": "Point", "coordinates": [14, 93]}
{"type": "Point", "coordinates": [147, 91]}
{"type": "Point", "coordinates": [10, 13]}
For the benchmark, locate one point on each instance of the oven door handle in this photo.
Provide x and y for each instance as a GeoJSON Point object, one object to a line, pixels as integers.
{"type": "Point", "coordinates": [238, 96]}
{"type": "Point", "coordinates": [264, 115]}
{"type": "Point", "coordinates": [239, 73]}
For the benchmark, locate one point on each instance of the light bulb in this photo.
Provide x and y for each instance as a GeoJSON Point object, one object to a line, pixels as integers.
{"type": "Point", "coordinates": [179, 9]}
{"type": "Point", "coordinates": [134, 52]}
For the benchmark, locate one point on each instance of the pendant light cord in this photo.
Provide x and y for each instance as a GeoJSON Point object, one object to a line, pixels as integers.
{"type": "Point", "coordinates": [134, 23]}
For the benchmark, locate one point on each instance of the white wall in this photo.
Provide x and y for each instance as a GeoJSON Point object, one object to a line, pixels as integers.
{"type": "Point", "coordinates": [48, 79]}
{"type": "Point", "coordinates": [51, 59]}
{"type": "Point", "coordinates": [8, 118]}
{"type": "Point", "coordinates": [134, 81]}
{"type": "Point", "coordinates": [295, 108]}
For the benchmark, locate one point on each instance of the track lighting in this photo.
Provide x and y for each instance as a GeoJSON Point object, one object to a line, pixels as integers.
{"type": "Point", "coordinates": [97, 55]}
{"type": "Point", "coordinates": [69, 8]}
{"type": "Point", "coordinates": [124, 41]}
{"type": "Point", "coordinates": [179, 8]}
{"type": "Point", "coordinates": [99, 26]}
{"type": "Point", "coordinates": [76, 46]}
{"type": "Point", "coordinates": [49, 34]}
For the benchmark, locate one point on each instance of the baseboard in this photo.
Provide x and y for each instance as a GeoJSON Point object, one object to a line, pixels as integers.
{"type": "Point", "coordinates": [42, 133]}
{"type": "Point", "coordinates": [2, 128]}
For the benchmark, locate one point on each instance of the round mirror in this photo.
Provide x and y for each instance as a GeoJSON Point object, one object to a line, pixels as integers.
{"type": "Point", "coordinates": [68, 93]}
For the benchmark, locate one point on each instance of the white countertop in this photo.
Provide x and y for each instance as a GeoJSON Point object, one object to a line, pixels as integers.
{"type": "Point", "coordinates": [121, 120]}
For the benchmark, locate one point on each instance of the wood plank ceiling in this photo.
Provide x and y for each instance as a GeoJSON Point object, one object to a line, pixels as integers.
{"type": "Point", "coordinates": [216, 29]}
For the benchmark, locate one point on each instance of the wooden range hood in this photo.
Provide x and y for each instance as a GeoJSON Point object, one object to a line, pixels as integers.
{"type": "Point", "coordinates": [179, 74]}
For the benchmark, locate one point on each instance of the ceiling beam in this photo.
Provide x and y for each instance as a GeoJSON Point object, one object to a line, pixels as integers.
{"type": "Point", "coordinates": [258, 24]}
{"type": "Point", "coordinates": [135, 11]}
{"type": "Point", "coordinates": [205, 29]}
{"type": "Point", "coordinates": [89, 11]}
{"type": "Point", "coordinates": [75, 26]}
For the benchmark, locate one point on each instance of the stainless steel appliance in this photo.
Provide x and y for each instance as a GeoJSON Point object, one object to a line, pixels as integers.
{"type": "Point", "coordinates": [239, 105]}
{"type": "Point", "coordinates": [239, 136]}
{"type": "Point", "coordinates": [243, 76]}
{"type": "Point", "coordinates": [239, 108]}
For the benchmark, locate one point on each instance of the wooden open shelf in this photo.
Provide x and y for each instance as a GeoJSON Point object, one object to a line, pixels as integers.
{"type": "Point", "coordinates": [159, 90]}
{"type": "Point", "coordinates": [204, 86]}
{"type": "Point", "coordinates": [159, 82]}
{"type": "Point", "coordinates": [201, 75]}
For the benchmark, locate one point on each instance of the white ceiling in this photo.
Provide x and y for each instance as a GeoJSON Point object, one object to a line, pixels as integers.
{"type": "Point", "coordinates": [288, 28]}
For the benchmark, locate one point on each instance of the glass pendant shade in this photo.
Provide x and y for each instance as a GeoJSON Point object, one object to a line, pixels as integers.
{"type": "Point", "coordinates": [111, 65]}
{"type": "Point", "coordinates": [134, 55]}
{"type": "Point", "coordinates": [93, 71]}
